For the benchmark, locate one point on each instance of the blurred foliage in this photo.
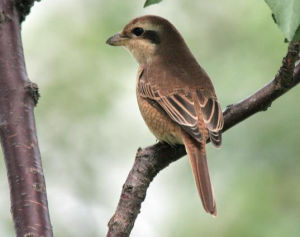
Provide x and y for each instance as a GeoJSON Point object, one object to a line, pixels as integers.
{"type": "Point", "coordinates": [150, 2]}
{"type": "Point", "coordinates": [89, 126]}
{"type": "Point", "coordinates": [287, 16]}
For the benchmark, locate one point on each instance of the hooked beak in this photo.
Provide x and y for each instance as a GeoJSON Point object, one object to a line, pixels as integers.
{"type": "Point", "coordinates": [117, 40]}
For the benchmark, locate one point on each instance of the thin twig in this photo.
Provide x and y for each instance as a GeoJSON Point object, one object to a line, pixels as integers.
{"type": "Point", "coordinates": [149, 161]}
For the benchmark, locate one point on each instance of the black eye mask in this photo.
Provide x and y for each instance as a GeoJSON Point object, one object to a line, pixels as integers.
{"type": "Point", "coordinates": [152, 36]}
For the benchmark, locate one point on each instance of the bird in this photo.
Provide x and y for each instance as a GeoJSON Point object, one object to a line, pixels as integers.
{"type": "Point", "coordinates": [175, 95]}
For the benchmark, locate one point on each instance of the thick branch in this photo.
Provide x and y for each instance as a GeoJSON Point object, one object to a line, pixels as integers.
{"type": "Point", "coordinates": [24, 7]}
{"type": "Point", "coordinates": [150, 160]}
{"type": "Point", "coordinates": [18, 133]}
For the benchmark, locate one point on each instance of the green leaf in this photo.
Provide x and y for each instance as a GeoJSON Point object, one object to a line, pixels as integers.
{"type": "Point", "coordinates": [297, 34]}
{"type": "Point", "coordinates": [150, 2]}
{"type": "Point", "coordinates": [286, 14]}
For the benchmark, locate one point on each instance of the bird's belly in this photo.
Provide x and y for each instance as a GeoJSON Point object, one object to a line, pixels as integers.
{"type": "Point", "coordinates": [163, 128]}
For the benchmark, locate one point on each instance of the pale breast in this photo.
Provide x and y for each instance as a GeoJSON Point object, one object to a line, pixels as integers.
{"type": "Point", "coordinates": [163, 128]}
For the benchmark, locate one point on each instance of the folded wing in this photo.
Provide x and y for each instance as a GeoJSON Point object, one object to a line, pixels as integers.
{"type": "Point", "coordinates": [180, 106]}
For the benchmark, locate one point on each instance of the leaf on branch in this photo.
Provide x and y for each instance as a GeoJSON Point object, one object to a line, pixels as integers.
{"type": "Point", "coordinates": [150, 2]}
{"type": "Point", "coordinates": [286, 13]}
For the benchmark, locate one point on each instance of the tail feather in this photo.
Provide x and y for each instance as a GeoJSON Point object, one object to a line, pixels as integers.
{"type": "Point", "coordinates": [197, 155]}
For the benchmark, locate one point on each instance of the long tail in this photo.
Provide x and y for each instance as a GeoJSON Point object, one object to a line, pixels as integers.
{"type": "Point", "coordinates": [197, 155]}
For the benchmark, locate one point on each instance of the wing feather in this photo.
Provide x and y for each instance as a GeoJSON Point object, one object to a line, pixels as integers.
{"type": "Point", "coordinates": [213, 117]}
{"type": "Point", "coordinates": [180, 106]}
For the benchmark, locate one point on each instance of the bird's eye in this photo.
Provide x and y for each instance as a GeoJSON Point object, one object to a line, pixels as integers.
{"type": "Point", "coordinates": [138, 31]}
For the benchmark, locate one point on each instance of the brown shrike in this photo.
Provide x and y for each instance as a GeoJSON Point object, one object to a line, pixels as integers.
{"type": "Point", "coordinates": [175, 95]}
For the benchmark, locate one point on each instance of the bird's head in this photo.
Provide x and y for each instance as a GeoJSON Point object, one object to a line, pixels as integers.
{"type": "Point", "coordinates": [147, 36]}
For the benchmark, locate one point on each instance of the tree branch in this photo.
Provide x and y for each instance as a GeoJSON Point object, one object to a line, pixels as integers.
{"type": "Point", "coordinates": [19, 142]}
{"type": "Point", "coordinates": [150, 160]}
{"type": "Point", "coordinates": [23, 7]}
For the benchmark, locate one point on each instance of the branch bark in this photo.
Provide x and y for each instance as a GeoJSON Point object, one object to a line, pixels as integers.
{"type": "Point", "coordinates": [18, 97]}
{"type": "Point", "coordinates": [150, 160]}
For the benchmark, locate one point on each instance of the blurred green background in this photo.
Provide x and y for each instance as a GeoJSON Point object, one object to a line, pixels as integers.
{"type": "Point", "coordinates": [89, 126]}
